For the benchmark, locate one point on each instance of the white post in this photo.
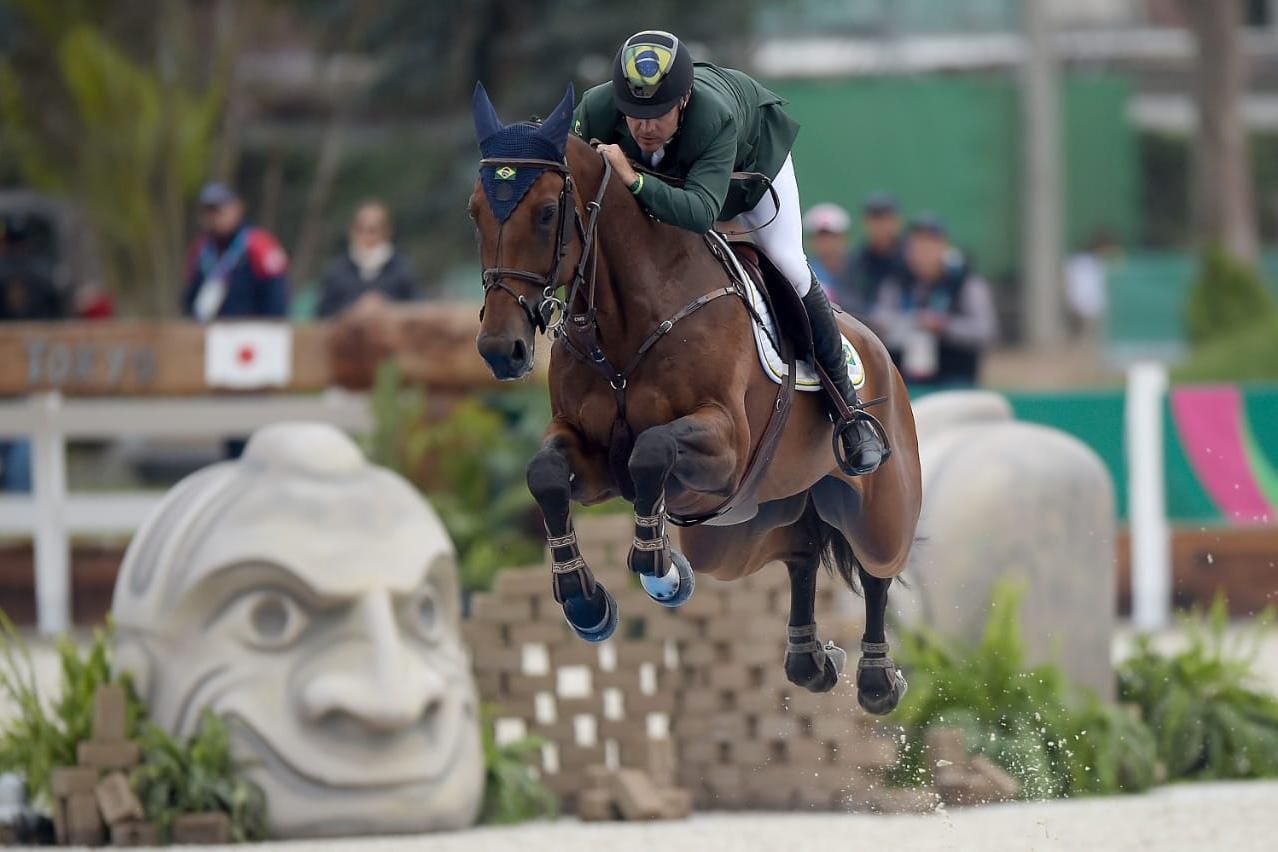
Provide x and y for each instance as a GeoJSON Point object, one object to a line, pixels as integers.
{"type": "Point", "coordinates": [1146, 497]}
{"type": "Point", "coordinates": [49, 487]}
{"type": "Point", "coordinates": [1043, 186]}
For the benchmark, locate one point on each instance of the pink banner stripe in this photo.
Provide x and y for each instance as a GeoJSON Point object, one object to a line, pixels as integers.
{"type": "Point", "coordinates": [1209, 422]}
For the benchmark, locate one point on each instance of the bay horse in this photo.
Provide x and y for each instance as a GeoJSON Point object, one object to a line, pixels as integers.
{"type": "Point", "coordinates": [677, 431]}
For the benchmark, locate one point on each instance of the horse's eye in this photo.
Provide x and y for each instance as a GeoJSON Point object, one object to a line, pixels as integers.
{"type": "Point", "coordinates": [546, 215]}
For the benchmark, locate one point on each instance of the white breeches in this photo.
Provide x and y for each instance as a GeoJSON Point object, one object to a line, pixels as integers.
{"type": "Point", "coordinates": [782, 239]}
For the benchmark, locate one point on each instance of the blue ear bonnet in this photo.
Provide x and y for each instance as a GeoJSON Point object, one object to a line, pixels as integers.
{"type": "Point", "coordinates": [505, 186]}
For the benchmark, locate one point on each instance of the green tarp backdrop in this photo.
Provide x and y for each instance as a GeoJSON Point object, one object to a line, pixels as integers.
{"type": "Point", "coordinates": [952, 145]}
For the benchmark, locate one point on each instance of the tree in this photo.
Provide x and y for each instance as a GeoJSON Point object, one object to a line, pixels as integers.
{"type": "Point", "coordinates": [128, 136]}
{"type": "Point", "coordinates": [1223, 202]}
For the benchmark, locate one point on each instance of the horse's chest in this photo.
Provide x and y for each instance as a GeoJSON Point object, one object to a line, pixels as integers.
{"type": "Point", "coordinates": [598, 413]}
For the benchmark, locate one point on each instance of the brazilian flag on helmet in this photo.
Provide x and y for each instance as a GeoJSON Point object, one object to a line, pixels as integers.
{"type": "Point", "coordinates": [651, 74]}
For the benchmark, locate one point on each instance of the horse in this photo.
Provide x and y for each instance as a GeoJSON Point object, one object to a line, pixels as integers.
{"type": "Point", "coordinates": [677, 432]}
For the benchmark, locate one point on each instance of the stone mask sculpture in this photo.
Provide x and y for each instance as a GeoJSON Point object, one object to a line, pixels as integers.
{"type": "Point", "coordinates": [312, 600]}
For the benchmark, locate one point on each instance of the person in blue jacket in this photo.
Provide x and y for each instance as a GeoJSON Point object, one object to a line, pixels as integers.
{"type": "Point", "coordinates": [234, 270]}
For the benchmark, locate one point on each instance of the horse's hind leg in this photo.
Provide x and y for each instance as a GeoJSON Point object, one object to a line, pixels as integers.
{"type": "Point", "coordinates": [879, 682]}
{"type": "Point", "coordinates": [589, 608]}
{"type": "Point", "coordinates": [808, 663]}
{"type": "Point", "coordinates": [692, 450]}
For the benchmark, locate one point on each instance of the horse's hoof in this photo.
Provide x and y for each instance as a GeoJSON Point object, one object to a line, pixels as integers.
{"type": "Point", "coordinates": [674, 589]}
{"type": "Point", "coordinates": [816, 671]}
{"type": "Point", "coordinates": [598, 616]}
{"type": "Point", "coordinates": [880, 686]}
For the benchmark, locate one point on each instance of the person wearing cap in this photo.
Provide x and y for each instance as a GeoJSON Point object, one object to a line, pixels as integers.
{"type": "Point", "coordinates": [938, 318]}
{"type": "Point", "coordinates": [879, 255]}
{"type": "Point", "coordinates": [691, 125]}
{"type": "Point", "coordinates": [233, 269]}
{"type": "Point", "coordinates": [827, 228]}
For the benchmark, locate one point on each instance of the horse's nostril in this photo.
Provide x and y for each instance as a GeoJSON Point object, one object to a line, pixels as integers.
{"type": "Point", "coordinates": [519, 353]}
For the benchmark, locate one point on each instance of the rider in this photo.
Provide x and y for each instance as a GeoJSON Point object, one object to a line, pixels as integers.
{"type": "Point", "coordinates": [698, 123]}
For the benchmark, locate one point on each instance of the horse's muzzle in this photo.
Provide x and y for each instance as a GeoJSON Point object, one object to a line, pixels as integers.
{"type": "Point", "coordinates": [508, 358]}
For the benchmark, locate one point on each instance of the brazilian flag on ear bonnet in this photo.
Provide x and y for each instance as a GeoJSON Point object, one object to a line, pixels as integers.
{"type": "Point", "coordinates": [506, 185]}
{"type": "Point", "coordinates": [651, 74]}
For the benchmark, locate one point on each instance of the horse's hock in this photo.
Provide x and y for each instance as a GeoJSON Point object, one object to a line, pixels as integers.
{"type": "Point", "coordinates": [1007, 499]}
{"type": "Point", "coordinates": [707, 675]}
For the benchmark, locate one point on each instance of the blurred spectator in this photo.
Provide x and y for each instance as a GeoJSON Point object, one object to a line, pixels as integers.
{"type": "Point", "coordinates": [27, 291]}
{"type": "Point", "coordinates": [879, 257]}
{"type": "Point", "coordinates": [939, 318]}
{"type": "Point", "coordinates": [234, 269]}
{"type": "Point", "coordinates": [1087, 287]}
{"type": "Point", "coordinates": [371, 269]}
{"type": "Point", "coordinates": [827, 228]}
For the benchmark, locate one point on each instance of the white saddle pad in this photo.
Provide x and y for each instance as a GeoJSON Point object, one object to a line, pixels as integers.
{"type": "Point", "coordinates": [774, 365]}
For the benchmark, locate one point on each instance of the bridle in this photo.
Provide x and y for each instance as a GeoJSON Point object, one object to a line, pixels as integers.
{"type": "Point", "coordinates": [547, 314]}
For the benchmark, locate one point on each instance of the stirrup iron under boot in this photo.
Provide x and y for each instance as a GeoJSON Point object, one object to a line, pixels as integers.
{"type": "Point", "coordinates": [860, 444]}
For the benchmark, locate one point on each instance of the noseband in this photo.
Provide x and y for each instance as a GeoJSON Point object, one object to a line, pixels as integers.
{"type": "Point", "coordinates": [547, 314]}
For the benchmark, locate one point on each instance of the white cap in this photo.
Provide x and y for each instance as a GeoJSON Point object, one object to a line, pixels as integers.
{"type": "Point", "coordinates": [827, 217]}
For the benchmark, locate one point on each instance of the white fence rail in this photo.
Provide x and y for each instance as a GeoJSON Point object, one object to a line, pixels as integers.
{"type": "Point", "coordinates": [51, 515]}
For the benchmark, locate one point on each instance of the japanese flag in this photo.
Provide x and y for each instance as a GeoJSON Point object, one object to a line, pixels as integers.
{"type": "Point", "coordinates": [246, 355]}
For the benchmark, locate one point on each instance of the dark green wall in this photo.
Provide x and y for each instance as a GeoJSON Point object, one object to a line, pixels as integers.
{"type": "Point", "coordinates": [952, 144]}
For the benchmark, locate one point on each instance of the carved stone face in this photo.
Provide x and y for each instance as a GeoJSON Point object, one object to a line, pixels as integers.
{"type": "Point", "coordinates": [312, 600]}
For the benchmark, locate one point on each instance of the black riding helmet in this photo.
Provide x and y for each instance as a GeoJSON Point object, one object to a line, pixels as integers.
{"type": "Point", "coordinates": [651, 74]}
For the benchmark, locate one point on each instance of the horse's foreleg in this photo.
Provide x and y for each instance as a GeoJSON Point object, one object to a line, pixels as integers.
{"type": "Point", "coordinates": [589, 608]}
{"type": "Point", "coordinates": [879, 682]}
{"type": "Point", "coordinates": [694, 450]}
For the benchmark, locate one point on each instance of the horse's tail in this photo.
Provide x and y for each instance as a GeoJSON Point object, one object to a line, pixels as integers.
{"type": "Point", "coordinates": [837, 555]}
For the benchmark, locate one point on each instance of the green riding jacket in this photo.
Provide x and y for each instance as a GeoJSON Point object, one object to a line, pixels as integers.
{"type": "Point", "coordinates": [731, 124]}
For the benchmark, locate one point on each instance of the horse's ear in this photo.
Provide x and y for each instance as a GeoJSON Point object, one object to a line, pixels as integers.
{"type": "Point", "coordinates": [555, 128]}
{"type": "Point", "coordinates": [486, 121]}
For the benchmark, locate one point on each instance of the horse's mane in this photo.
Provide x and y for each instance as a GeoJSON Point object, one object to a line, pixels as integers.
{"type": "Point", "coordinates": [587, 169]}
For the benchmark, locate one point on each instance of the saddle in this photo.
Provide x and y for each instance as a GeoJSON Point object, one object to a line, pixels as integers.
{"type": "Point", "coordinates": [782, 303]}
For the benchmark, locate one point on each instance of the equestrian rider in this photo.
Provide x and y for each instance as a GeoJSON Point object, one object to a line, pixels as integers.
{"type": "Point", "coordinates": [697, 122]}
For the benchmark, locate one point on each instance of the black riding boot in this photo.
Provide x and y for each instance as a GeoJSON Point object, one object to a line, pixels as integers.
{"type": "Point", "coordinates": [863, 448]}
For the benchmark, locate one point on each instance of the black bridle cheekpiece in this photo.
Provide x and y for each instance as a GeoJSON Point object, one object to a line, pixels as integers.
{"type": "Point", "coordinates": [513, 158]}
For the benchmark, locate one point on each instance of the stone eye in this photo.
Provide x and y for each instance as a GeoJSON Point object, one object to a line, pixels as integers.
{"type": "Point", "coordinates": [271, 619]}
{"type": "Point", "coordinates": [423, 615]}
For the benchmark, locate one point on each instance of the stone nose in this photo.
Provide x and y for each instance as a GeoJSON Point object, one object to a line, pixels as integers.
{"type": "Point", "coordinates": [388, 688]}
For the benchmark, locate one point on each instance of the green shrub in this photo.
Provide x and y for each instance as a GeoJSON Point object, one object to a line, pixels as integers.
{"type": "Point", "coordinates": [1227, 297]}
{"type": "Point", "coordinates": [44, 735]}
{"type": "Point", "coordinates": [1208, 717]}
{"type": "Point", "coordinates": [1250, 355]}
{"type": "Point", "coordinates": [470, 465]}
{"type": "Point", "coordinates": [1056, 741]}
{"type": "Point", "coordinates": [512, 791]}
{"type": "Point", "coordinates": [197, 776]}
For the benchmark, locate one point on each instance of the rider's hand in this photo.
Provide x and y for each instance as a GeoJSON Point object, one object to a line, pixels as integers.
{"type": "Point", "coordinates": [620, 164]}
